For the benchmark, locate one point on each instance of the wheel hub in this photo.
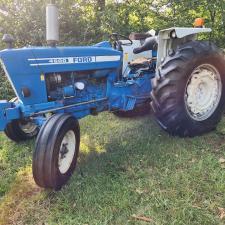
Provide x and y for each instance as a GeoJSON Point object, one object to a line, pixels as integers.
{"type": "Point", "coordinates": [66, 152]}
{"type": "Point", "coordinates": [27, 127]}
{"type": "Point", "coordinates": [203, 92]}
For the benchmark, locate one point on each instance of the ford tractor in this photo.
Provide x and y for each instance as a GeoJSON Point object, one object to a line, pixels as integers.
{"type": "Point", "coordinates": [180, 77]}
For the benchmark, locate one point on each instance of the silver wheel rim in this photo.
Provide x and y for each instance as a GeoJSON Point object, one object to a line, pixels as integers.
{"type": "Point", "coordinates": [27, 127]}
{"type": "Point", "coordinates": [203, 92]}
{"type": "Point", "coordinates": [67, 151]}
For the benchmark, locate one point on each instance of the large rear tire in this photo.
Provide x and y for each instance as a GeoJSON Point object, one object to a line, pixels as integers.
{"type": "Point", "coordinates": [56, 151]}
{"type": "Point", "coordinates": [188, 93]}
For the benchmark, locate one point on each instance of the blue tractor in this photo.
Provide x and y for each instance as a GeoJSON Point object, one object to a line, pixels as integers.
{"type": "Point", "coordinates": [182, 78]}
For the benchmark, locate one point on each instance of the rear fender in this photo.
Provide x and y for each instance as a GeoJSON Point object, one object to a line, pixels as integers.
{"type": "Point", "coordinates": [168, 42]}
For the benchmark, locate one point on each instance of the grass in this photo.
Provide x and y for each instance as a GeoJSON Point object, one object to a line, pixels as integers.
{"type": "Point", "coordinates": [126, 167]}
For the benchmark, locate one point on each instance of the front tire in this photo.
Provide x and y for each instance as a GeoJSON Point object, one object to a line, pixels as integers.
{"type": "Point", "coordinates": [188, 93]}
{"type": "Point", "coordinates": [21, 130]}
{"type": "Point", "coordinates": [56, 151]}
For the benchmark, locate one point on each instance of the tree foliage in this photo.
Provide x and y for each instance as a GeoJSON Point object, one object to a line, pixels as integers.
{"type": "Point", "coordinates": [88, 21]}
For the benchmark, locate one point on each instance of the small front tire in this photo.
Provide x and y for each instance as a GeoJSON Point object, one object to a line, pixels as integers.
{"type": "Point", "coordinates": [56, 151]}
{"type": "Point", "coordinates": [21, 130]}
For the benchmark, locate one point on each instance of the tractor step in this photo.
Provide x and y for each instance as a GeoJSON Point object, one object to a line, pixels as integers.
{"type": "Point", "coordinates": [130, 103]}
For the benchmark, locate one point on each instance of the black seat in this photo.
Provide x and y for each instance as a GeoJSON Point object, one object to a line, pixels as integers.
{"type": "Point", "coordinates": [139, 36]}
{"type": "Point", "coordinates": [149, 44]}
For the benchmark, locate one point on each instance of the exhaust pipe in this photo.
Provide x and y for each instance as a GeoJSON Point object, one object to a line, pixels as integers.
{"type": "Point", "coordinates": [52, 24]}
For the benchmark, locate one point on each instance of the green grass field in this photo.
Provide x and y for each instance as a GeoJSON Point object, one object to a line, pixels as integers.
{"type": "Point", "coordinates": [126, 167]}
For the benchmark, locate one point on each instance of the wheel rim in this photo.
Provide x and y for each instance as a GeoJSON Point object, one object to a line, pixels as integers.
{"type": "Point", "coordinates": [203, 92]}
{"type": "Point", "coordinates": [27, 127]}
{"type": "Point", "coordinates": [66, 152]}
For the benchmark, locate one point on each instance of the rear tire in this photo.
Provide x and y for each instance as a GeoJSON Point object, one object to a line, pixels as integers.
{"type": "Point", "coordinates": [188, 93]}
{"type": "Point", "coordinates": [56, 151]}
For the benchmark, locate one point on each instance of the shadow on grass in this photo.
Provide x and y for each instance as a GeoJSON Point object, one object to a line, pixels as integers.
{"type": "Point", "coordinates": [13, 158]}
{"type": "Point", "coordinates": [141, 170]}
{"type": "Point", "coordinates": [130, 166]}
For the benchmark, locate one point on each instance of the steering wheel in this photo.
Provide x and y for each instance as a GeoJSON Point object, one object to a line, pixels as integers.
{"type": "Point", "coordinates": [117, 43]}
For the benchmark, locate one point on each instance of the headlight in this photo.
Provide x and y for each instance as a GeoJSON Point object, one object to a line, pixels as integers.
{"type": "Point", "coordinates": [173, 34]}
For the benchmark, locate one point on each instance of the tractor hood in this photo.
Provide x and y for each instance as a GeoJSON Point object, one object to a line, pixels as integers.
{"type": "Point", "coordinates": [26, 67]}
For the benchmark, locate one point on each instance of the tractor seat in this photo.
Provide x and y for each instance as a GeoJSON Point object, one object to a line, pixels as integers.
{"type": "Point", "coordinates": [139, 36]}
{"type": "Point", "coordinates": [151, 43]}
{"type": "Point", "coordinates": [140, 63]}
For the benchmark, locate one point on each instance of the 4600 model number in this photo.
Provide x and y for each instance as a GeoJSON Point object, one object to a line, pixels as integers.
{"type": "Point", "coordinates": [86, 59]}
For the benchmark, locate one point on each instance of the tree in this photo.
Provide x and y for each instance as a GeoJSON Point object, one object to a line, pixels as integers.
{"type": "Point", "coordinates": [84, 22]}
